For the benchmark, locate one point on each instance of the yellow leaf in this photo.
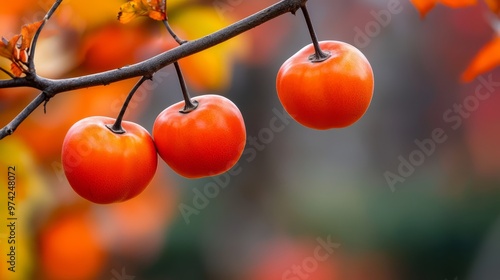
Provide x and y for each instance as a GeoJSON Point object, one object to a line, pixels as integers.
{"type": "Point", "coordinates": [155, 9]}
{"type": "Point", "coordinates": [131, 10]}
{"type": "Point", "coordinates": [485, 60]}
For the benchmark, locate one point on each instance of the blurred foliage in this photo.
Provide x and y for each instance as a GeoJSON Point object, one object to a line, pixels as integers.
{"type": "Point", "coordinates": [300, 185]}
{"type": "Point", "coordinates": [488, 56]}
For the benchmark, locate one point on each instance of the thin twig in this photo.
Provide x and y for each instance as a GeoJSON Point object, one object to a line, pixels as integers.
{"type": "Point", "coordinates": [189, 104]}
{"type": "Point", "coordinates": [14, 124]}
{"type": "Point", "coordinates": [117, 126]}
{"type": "Point", "coordinates": [31, 57]}
{"type": "Point", "coordinates": [172, 33]}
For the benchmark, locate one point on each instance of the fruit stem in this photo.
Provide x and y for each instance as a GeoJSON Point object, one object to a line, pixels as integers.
{"type": "Point", "coordinates": [117, 126]}
{"type": "Point", "coordinates": [319, 54]}
{"type": "Point", "coordinates": [189, 104]}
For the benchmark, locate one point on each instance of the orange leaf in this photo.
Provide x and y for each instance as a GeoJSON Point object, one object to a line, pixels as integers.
{"type": "Point", "coordinates": [494, 6]}
{"type": "Point", "coordinates": [424, 6]}
{"type": "Point", "coordinates": [16, 69]}
{"type": "Point", "coordinates": [486, 59]}
{"type": "Point", "coordinates": [155, 9]}
{"type": "Point", "coordinates": [28, 32]}
{"type": "Point", "coordinates": [16, 49]}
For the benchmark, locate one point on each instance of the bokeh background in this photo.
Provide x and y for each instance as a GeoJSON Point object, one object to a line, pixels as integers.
{"type": "Point", "coordinates": [294, 189]}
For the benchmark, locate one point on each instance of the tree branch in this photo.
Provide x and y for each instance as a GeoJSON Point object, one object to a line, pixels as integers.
{"type": "Point", "coordinates": [12, 126]}
{"type": "Point", "coordinates": [50, 87]}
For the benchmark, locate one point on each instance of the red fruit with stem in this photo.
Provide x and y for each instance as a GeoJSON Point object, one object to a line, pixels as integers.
{"type": "Point", "coordinates": [107, 160]}
{"type": "Point", "coordinates": [325, 85]}
{"type": "Point", "coordinates": [202, 137]}
{"type": "Point", "coordinates": [103, 166]}
{"type": "Point", "coordinates": [333, 93]}
{"type": "Point", "coordinates": [206, 141]}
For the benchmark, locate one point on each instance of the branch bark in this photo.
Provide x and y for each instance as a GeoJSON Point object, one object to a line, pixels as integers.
{"type": "Point", "coordinates": [51, 87]}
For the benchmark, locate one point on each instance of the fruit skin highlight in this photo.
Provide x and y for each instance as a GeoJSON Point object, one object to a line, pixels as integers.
{"type": "Point", "coordinates": [333, 93]}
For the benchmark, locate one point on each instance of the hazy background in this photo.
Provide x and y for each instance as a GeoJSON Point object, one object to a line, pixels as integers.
{"type": "Point", "coordinates": [300, 187]}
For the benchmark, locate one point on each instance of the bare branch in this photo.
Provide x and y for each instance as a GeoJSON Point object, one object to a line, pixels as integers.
{"type": "Point", "coordinates": [50, 87]}
{"type": "Point", "coordinates": [14, 124]}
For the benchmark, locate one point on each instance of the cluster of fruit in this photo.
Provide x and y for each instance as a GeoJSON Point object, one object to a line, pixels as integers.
{"type": "Point", "coordinates": [325, 85]}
